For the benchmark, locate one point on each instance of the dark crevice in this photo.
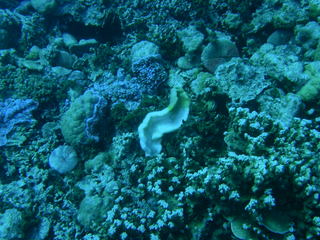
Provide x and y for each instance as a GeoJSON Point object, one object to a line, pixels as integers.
{"type": "Point", "coordinates": [9, 4]}
{"type": "Point", "coordinates": [110, 32]}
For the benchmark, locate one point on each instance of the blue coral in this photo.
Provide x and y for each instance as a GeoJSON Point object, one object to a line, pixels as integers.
{"type": "Point", "coordinates": [150, 73]}
{"type": "Point", "coordinates": [15, 112]}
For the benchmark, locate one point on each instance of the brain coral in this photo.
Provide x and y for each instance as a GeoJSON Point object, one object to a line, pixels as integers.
{"type": "Point", "coordinates": [82, 122]}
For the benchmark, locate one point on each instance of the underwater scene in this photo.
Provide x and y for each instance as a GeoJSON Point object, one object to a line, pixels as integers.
{"type": "Point", "coordinates": [159, 120]}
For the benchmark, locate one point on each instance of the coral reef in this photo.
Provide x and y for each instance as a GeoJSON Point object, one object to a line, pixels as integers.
{"type": "Point", "coordinates": [77, 78]}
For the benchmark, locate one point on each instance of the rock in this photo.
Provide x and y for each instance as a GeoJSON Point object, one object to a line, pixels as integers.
{"type": "Point", "coordinates": [238, 229]}
{"type": "Point", "coordinates": [187, 62]}
{"type": "Point", "coordinates": [240, 80]}
{"type": "Point", "coordinates": [43, 6]}
{"type": "Point", "coordinates": [144, 49]}
{"type": "Point", "coordinates": [90, 211]}
{"type": "Point", "coordinates": [64, 59]}
{"type": "Point", "coordinates": [279, 37]}
{"type": "Point", "coordinates": [282, 108]}
{"type": "Point", "coordinates": [218, 52]}
{"type": "Point", "coordinates": [83, 46]}
{"type": "Point", "coordinates": [191, 38]}
{"type": "Point", "coordinates": [32, 65]}
{"type": "Point", "coordinates": [310, 91]}
{"type": "Point", "coordinates": [69, 40]}
{"type": "Point", "coordinates": [11, 222]}
{"type": "Point", "coordinates": [277, 221]}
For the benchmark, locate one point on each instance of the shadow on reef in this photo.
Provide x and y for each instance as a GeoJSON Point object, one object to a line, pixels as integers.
{"type": "Point", "coordinates": [109, 32]}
